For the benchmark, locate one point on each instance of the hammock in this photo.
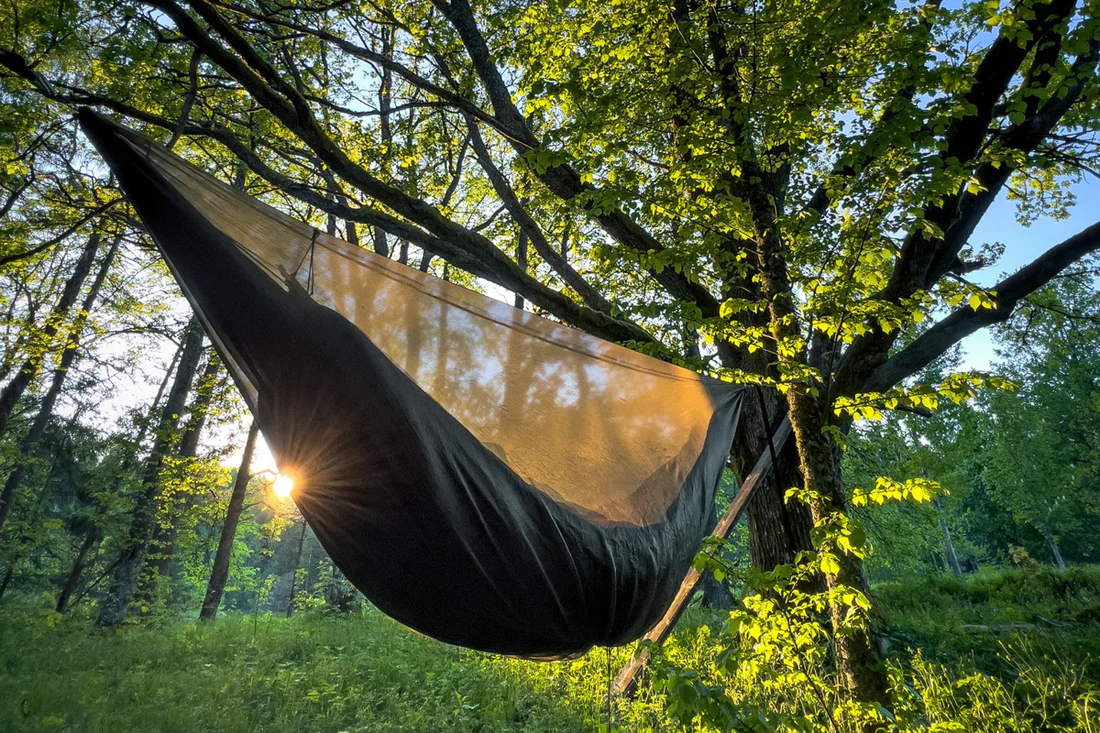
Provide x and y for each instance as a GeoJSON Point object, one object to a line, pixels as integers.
{"type": "Point", "coordinates": [483, 475]}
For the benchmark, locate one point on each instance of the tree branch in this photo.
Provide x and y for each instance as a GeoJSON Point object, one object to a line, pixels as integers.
{"type": "Point", "coordinates": [965, 321]}
{"type": "Point", "coordinates": [923, 255]}
{"type": "Point", "coordinates": [444, 237]}
{"type": "Point", "coordinates": [31, 252]}
{"type": "Point", "coordinates": [562, 179]}
{"type": "Point", "coordinates": [591, 296]}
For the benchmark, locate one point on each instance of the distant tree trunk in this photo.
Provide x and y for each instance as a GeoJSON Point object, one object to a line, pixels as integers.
{"type": "Point", "coordinates": [220, 572]}
{"type": "Point", "coordinates": [1056, 551]}
{"type": "Point", "coordinates": [162, 548]}
{"type": "Point", "coordinates": [13, 390]}
{"type": "Point", "coordinates": [949, 545]}
{"type": "Point", "coordinates": [45, 409]}
{"type": "Point", "coordinates": [71, 583]}
{"type": "Point", "coordinates": [294, 576]}
{"type": "Point", "coordinates": [953, 559]}
{"type": "Point", "coordinates": [7, 361]}
{"type": "Point", "coordinates": [715, 593]}
{"type": "Point", "coordinates": [128, 464]}
{"type": "Point", "coordinates": [127, 572]}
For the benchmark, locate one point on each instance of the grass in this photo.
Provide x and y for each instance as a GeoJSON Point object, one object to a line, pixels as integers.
{"type": "Point", "coordinates": [363, 672]}
{"type": "Point", "coordinates": [359, 672]}
{"type": "Point", "coordinates": [974, 617]}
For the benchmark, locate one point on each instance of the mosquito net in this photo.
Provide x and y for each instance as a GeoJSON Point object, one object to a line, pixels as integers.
{"type": "Point", "coordinates": [463, 461]}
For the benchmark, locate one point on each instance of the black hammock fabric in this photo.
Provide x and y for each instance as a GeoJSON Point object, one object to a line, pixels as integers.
{"type": "Point", "coordinates": [483, 475]}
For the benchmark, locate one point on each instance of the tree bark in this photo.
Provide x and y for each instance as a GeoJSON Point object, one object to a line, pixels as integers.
{"type": "Point", "coordinates": [220, 572]}
{"type": "Point", "coordinates": [71, 583]}
{"type": "Point", "coordinates": [779, 530]}
{"type": "Point", "coordinates": [45, 409]}
{"type": "Point", "coordinates": [127, 572]}
{"type": "Point", "coordinates": [857, 658]}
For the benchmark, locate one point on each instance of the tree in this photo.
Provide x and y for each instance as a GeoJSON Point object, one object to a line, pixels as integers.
{"type": "Point", "coordinates": [162, 546]}
{"type": "Point", "coordinates": [780, 193]}
{"type": "Point", "coordinates": [28, 371]}
{"type": "Point", "coordinates": [68, 355]}
{"type": "Point", "coordinates": [136, 545]}
{"type": "Point", "coordinates": [939, 450]}
{"type": "Point", "coordinates": [220, 572]}
{"type": "Point", "coordinates": [1044, 447]}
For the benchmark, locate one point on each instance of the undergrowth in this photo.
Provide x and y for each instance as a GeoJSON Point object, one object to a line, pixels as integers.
{"type": "Point", "coordinates": [996, 651]}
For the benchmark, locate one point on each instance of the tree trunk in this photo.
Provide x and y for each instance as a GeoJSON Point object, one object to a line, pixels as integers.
{"type": "Point", "coordinates": [45, 409]}
{"type": "Point", "coordinates": [949, 545]}
{"type": "Point", "coordinates": [127, 572]}
{"type": "Point", "coordinates": [294, 576]}
{"type": "Point", "coordinates": [715, 593]}
{"type": "Point", "coordinates": [385, 96]}
{"type": "Point", "coordinates": [6, 582]}
{"type": "Point", "coordinates": [162, 548]}
{"type": "Point", "coordinates": [81, 560]}
{"type": "Point", "coordinates": [14, 389]}
{"type": "Point", "coordinates": [220, 572]}
{"type": "Point", "coordinates": [128, 463]}
{"type": "Point", "coordinates": [1056, 551]}
{"type": "Point", "coordinates": [11, 393]}
{"type": "Point", "coordinates": [778, 530]}
{"type": "Point", "coordinates": [857, 657]}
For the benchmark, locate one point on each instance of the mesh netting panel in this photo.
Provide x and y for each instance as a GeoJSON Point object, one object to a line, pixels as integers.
{"type": "Point", "coordinates": [607, 431]}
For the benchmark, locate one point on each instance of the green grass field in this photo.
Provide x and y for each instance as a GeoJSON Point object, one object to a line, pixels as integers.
{"type": "Point", "coordinates": [363, 672]}
{"type": "Point", "coordinates": [360, 672]}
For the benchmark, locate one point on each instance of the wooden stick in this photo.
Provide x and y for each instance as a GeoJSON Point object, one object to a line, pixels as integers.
{"type": "Point", "coordinates": [627, 679]}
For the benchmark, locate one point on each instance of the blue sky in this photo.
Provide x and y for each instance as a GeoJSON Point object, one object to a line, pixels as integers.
{"type": "Point", "coordinates": [1022, 245]}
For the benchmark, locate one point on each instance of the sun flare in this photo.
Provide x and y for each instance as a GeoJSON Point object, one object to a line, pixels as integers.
{"type": "Point", "coordinates": [282, 486]}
